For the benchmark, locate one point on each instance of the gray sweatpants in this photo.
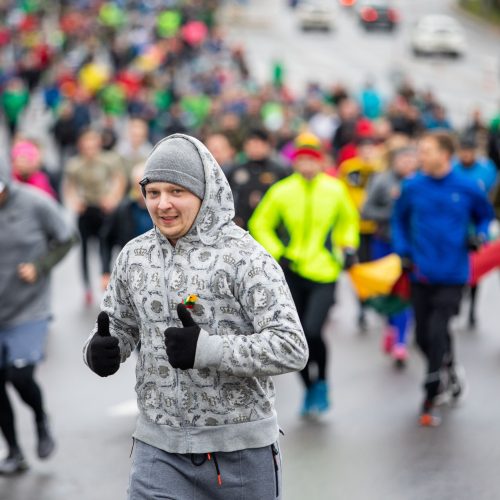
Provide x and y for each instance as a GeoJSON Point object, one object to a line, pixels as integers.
{"type": "Point", "coordinates": [251, 474]}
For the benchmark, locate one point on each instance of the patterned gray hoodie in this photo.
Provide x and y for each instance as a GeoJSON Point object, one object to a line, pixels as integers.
{"type": "Point", "coordinates": [250, 329]}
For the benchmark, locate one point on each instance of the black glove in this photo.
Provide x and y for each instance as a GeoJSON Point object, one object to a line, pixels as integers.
{"type": "Point", "coordinates": [407, 264]}
{"type": "Point", "coordinates": [475, 242]}
{"type": "Point", "coordinates": [103, 353]}
{"type": "Point", "coordinates": [285, 263]}
{"type": "Point", "coordinates": [350, 258]}
{"type": "Point", "coordinates": [181, 342]}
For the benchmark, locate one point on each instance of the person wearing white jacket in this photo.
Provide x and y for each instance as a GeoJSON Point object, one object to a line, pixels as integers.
{"type": "Point", "coordinates": [215, 320]}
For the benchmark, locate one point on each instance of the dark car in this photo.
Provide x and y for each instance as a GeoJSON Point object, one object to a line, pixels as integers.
{"type": "Point", "coordinates": [377, 15]}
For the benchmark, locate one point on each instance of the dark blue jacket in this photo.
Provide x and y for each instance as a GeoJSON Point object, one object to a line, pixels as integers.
{"type": "Point", "coordinates": [431, 224]}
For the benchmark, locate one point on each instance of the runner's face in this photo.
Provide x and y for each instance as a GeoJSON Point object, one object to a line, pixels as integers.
{"type": "Point", "coordinates": [406, 164]}
{"type": "Point", "coordinates": [307, 167]}
{"type": "Point", "coordinates": [172, 208]}
{"type": "Point", "coordinates": [433, 159]}
{"type": "Point", "coordinates": [367, 152]}
{"type": "Point", "coordinates": [467, 156]}
{"type": "Point", "coordinates": [138, 132]}
{"type": "Point", "coordinates": [23, 165]}
{"type": "Point", "coordinates": [220, 148]}
{"type": "Point", "coordinates": [257, 149]}
{"type": "Point", "coordinates": [90, 144]}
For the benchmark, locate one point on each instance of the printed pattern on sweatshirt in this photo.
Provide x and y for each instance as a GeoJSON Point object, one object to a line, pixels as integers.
{"type": "Point", "coordinates": [243, 298]}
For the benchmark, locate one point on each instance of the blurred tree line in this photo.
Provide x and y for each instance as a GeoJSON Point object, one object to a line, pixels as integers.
{"type": "Point", "coordinates": [489, 9]}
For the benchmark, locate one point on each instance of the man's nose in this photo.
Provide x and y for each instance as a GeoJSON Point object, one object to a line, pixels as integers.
{"type": "Point", "coordinates": [165, 201]}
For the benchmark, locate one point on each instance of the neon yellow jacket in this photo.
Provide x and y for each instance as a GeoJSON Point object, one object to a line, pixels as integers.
{"type": "Point", "coordinates": [309, 223]}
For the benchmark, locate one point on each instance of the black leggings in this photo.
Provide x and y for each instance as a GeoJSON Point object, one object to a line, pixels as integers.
{"type": "Point", "coordinates": [313, 301]}
{"type": "Point", "coordinates": [434, 306]}
{"type": "Point", "coordinates": [89, 224]}
{"type": "Point", "coordinates": [24, 382]}
{"type": "Point", "coordinates": [472, 305]}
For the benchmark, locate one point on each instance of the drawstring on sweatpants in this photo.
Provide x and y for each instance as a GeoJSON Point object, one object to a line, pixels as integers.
{"type": "Point", "coordinates": [219, 477]}
{"type": "Point", "coordinates": [204, 459]}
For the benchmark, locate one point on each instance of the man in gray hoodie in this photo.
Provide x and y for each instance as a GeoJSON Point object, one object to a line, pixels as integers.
{"type": "Point", "coordinates": [34, 237]}
{"type": "Point", "coordinates": [216, 321]}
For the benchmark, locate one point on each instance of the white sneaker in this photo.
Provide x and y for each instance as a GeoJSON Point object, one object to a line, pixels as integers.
{"type": "Point", "coordinates": [444, 395]}
{"type": "Point", "coordinates": [13, 464]}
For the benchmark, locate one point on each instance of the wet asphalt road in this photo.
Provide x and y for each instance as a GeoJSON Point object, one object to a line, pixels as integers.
{"type": "Point", "coordinates": [369, 448]}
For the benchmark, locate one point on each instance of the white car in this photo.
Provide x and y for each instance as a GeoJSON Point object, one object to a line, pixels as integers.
{"type": "Point", "coordinates": [315, 15]}
{"type": "Point", "coordinates": [438, 34]}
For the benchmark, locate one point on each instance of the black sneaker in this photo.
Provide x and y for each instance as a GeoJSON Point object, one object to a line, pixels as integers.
{"type": "Point", "coordinates": [46, 443]}
{"type": "Point", "coordinates": [14, 463]}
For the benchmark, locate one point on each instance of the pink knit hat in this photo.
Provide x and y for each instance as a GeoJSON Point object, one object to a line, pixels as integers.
{"type": "Point", "coordinates": [26, 149]}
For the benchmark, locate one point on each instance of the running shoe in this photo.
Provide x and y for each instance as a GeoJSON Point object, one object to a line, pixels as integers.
{"type": "Point", "coordinates": [429, 416]}
{"type": "Point", "coordinates": [320, 402]}
{"type": "Point", "coordinates": [400, 355]}
{"type": "Point", "coordinates": [14, 463]}
{"type": "Point", "coordinates": [46, 443]}
{"type": "Point", "coordinates": [444, 395]}
{"type": "Point", "coordinates": [457, 383]}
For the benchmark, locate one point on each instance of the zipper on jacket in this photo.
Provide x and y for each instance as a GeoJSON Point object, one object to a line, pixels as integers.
{"type": "Point", "coordinates": [177, 370]}
{"type": "Point", "coordinates": [167, 280]}
{"type": "Point", "coordinates": [275, 453]}
{"type": "Point", "coordinates": [307, 216]}
{"type": "Point", "coordinates": [330, 245]}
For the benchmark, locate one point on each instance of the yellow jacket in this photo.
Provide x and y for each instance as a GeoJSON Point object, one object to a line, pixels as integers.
{"type": "Point", "coordinates": [309, 223]}
{"type": "Point", "coordinates": [356, 175]}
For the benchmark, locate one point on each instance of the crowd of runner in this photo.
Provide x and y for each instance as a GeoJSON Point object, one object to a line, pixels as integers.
{"type": "Point", "coordinates": [318, 178]}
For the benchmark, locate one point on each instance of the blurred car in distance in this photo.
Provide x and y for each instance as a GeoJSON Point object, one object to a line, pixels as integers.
{"type": "Point", "coordinates": [377, 15]}
{"type": "Point", "coordinates": [438, 34]}
{"type": "Point", "coordinates": [315, 15]}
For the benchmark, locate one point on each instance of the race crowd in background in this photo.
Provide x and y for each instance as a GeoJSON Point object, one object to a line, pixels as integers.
{"type": "Point", "coordinates": [315, 176]}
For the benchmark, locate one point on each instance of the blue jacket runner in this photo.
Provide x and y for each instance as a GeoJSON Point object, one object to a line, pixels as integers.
{"type": "Point", "coordinates": [431, 224]}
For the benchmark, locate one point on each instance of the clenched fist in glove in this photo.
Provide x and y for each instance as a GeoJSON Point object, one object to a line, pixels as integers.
{"type": "Point", "coordinates": [103, 353]}
{"type": "Point", "coordinates": [181, 342]}
{"type": "Point", "coordinates": [350, 258]}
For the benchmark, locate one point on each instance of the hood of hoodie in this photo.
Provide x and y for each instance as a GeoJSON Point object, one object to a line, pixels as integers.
{"type": "Point", "coordinates": [241, 290]}
{"type": "Point", "coordinates": [217, 208]}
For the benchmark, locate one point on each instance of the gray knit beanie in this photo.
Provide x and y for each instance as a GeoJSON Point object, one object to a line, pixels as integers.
{"type": "Point", "coordinates": [176, 161]}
